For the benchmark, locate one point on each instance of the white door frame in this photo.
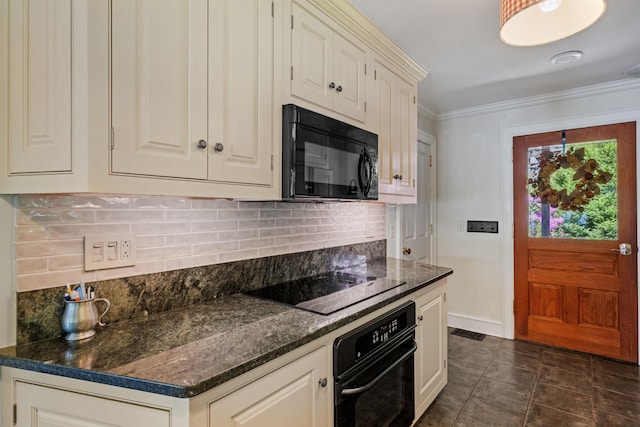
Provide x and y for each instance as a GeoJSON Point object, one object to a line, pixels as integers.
{"type": "Point", "coordinates": [506, 173]}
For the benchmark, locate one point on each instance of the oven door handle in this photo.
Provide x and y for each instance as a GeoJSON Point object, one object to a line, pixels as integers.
{"type": "Point", "coordinates": [359, 390]}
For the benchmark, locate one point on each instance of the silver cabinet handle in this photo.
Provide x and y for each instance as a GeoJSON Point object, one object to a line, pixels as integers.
{"type": "Point", "coordinates": [332, 85]}
{"type": "Point", "coordinates": [202, 144]}
{"type": "Point", "coordinates": [339, 89]}
{"type": "Point", "coordinates": [624, 249]}
{"type": "Point", "coordinates": [323, 382]}
{"type": "Point", "coordinates": [218, 147]}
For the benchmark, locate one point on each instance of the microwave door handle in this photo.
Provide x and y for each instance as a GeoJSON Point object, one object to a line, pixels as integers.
{"type": "Point", "coordinates": [359, 390]}
{"type": "Point", "coordinates": [365, 167]}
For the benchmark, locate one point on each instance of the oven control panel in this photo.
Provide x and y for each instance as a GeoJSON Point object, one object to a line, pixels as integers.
{"type": "Point", "coordinates": [383, 333]}
{"type": "Point", "coordinates": [356, 345]}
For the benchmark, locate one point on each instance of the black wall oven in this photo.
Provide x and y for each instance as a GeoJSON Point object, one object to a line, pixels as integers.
{"type": "Point", "coordinates": [325, 158]}
{"type": "Point", "coordinates": [374, 372]}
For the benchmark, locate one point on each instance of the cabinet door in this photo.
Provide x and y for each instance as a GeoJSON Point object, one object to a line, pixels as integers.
{"type": "Point", "coordinates": [242, 109]}
{"type": "Point", "coordinates": [404, 138]}
{"type": "Point", "coordinates": [395, 113]}
{"type": "Point", "coordinates": [311, 59]}
{"type": "Point", "coordinates": [40, 86]}
{"type": "Point", "coordinates": [290, 396]}
{"type": "Point", "coordinates": [39, 406]}
{"type": "Point", "coordinates": [430, 359]}
{"type": "Point", "coordinates": [159, 87]}
{"type": "Point", "coordinates": [349, 78]}
{"type": "Point", "coordinates": [384, 88]}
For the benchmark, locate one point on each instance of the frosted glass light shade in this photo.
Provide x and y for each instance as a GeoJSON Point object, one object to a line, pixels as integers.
{"type": "Point", "coordinates": [523, 23]}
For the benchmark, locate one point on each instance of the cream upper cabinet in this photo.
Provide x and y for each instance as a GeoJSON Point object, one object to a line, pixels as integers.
{"type": "Point", "coordinates": [193, 89]}
{"type": "Point", "coordinates": [244, 123]}
{"type": "Point", "coordinates": [39, 107]}
{"type": "Point", "coordinates": [394, 108]}
{"type": "Point", "coordinates": [159, 87]}
{"type": "Point", "coordinates": [297, 394]}
{"type": "Point", "coordinates": [431, 336]}
{"type": "Point", "coordinates": [326, 69]}
{"type": "Point", "coordinates": [184, 98]}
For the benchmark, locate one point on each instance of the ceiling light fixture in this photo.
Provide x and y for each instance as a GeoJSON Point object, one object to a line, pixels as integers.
{"type": "Point", "coordinates": [522, 24]}
{"type": "Point", "coordinates": [566, 57]}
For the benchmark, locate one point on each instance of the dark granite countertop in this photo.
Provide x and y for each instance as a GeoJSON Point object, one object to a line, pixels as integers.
{"type": "Point", "coordinates": [188, 351]}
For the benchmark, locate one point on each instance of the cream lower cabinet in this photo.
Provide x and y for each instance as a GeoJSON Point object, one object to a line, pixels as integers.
{"type": "Point", "coordinates": [431, 336]}
{"type": "Point", "coordinates": [293, 390]}
{"type": "Point", "coordinates": [297, 394]}
{"type": "Point", "coordinates": [192, 92]}
{"type": "Point", "coordinates": [327, 70]}
{"type": "Point", "coordinates": [42, 406]}
{"type": "Point", "coordinates": [393, 105]}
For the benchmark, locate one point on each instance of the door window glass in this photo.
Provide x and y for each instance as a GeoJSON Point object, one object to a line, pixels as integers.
{"type": "Point", "coordinates": [572, 191]}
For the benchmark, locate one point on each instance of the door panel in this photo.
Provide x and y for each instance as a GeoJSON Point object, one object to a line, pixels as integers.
{"type": "Point", "coordinates": [311, 58]}
{"type": "Point", "coordinates": [349, 76]}
{"type": "Point", "coordinates": [159, 81]}
{"type": "Point", "coordinates": [573, 288]}
{"type": "Point", "coordinates": [242, 91]}
{"type": "Point", "coordinates": [40, 86]}
{"type": "Point", "coordinates": [417, 222]}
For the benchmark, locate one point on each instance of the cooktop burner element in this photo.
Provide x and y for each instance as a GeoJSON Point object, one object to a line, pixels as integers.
{"type": "Point", "coordinates": [327, 293]}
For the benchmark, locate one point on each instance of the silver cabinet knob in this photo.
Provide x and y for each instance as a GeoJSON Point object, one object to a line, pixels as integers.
{"type": "Point", "coordinates": [218, 147]}
{"type": "Point", "coordinates": [332, 85]}
{"type": "Point", "coordinates": [339, 89]}
{"type": "Point", "coordinates": [202, 144]}
{"type": "Point", "coordinates": [323, 382]}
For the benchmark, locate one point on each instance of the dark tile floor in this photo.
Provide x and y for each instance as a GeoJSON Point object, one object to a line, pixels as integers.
{"type": "Point", "coordinates": [498, 382]}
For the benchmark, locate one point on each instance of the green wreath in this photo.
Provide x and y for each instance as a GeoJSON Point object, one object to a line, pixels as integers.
{"type": "Point", "coordinates": [587, 177]}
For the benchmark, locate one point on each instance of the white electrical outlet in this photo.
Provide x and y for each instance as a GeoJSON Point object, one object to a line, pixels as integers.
{"type": "Point", "coordinates": [109, 251]}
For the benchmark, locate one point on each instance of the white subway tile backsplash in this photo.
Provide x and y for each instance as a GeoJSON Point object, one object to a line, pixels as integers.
{"type": "Point", "coordinates": [31, 265]}
{"type": "Point", "coordinates": [238, 235]}
{"type": "Point", "coordinates": [238, 214]}
{"type": "Point", "coordinates": [48, 248]}
{"type": "Point", "coordinates": [176, 232]}
{"type": "Point", "coordinates": [66, 262]}
{"type": "Point", "coordinates": [25, 233]}
{"type": "Point", "coordinates": [238, 255]}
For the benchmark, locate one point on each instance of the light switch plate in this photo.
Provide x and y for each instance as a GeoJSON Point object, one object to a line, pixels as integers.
{"type": "Point", "coordinates": [482, 226]}
{"type": "Point", "coordinates": [109, 251]}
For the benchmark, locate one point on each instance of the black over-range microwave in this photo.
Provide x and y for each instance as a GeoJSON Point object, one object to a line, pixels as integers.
{"type": "Point", "coordinates": [323, 158]}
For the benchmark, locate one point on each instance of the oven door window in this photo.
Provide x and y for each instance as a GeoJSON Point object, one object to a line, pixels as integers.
{"type": "Point", "coordinates": [330, 166]}
{"type": "Point", "coordinates": [389, 403]}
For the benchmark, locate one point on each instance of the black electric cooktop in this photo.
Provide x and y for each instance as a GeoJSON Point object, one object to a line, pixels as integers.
{"type": "Point", "coordinates": [327, 293]}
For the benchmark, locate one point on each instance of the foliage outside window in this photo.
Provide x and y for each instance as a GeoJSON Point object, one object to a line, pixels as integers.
{"type": "Point", "coordinates": [595, 220]}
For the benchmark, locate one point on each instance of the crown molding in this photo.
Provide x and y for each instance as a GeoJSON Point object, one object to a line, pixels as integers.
{"type": "Point", "coordinates": [352, 20]}
{"type": "Point", "coordinates": [615, 86]}
{"type": "Point", "coordinates": [429, 114]}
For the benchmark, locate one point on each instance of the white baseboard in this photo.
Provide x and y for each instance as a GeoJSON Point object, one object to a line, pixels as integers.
{"type": "Point", "coordinates": [483, 326]}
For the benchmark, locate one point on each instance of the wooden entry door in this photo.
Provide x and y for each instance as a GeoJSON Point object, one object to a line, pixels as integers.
{"type": "Point", "coordinates": [573, 286]}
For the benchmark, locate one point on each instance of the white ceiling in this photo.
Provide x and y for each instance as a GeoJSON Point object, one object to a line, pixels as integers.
{"type": "Point", "coordinates": [457, 42]}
